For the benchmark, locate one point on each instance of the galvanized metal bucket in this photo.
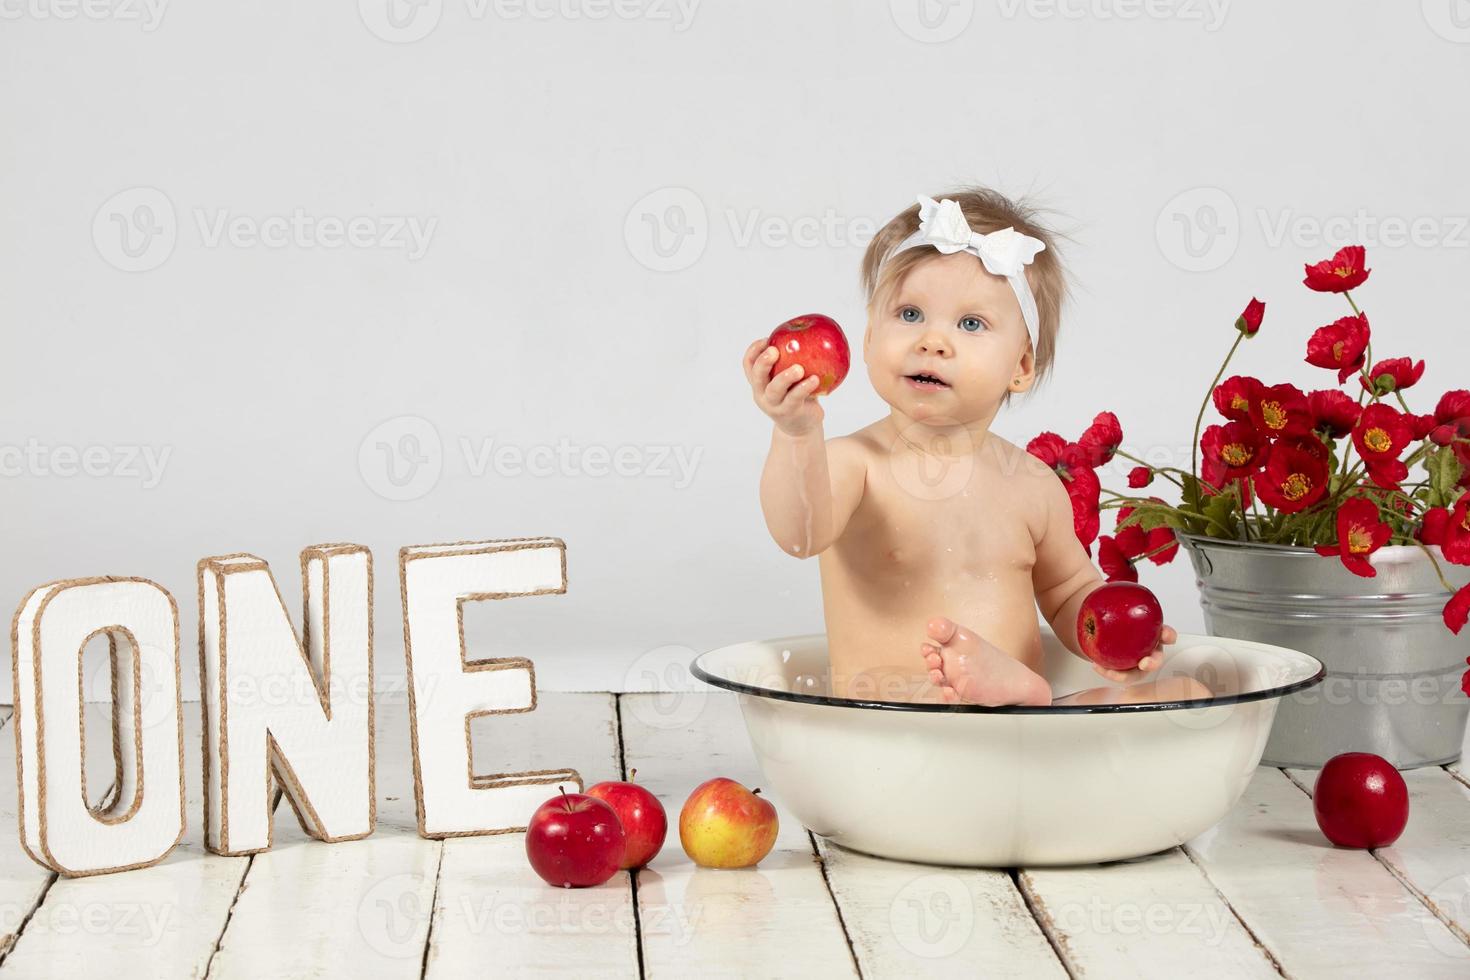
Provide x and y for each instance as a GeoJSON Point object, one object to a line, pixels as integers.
{"type": "Point", "coordinates": [1393, 668]}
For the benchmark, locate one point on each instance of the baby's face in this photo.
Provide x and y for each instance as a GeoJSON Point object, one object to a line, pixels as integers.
{"type": "Point", "coordinates": [951, 320]}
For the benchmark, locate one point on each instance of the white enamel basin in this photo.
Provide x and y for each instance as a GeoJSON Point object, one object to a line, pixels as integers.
{"type": "Point", "coordinates": [1009, 786]}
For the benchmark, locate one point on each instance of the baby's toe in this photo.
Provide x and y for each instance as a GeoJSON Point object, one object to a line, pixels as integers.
{"type": "Point", "coordinates": [940, 629]}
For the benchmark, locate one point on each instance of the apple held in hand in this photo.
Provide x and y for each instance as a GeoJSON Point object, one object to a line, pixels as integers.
{"type": "Point", "coordinates": [815, 342]}
{"type": "Point", "coordinates": [645, 824]}
{"type": "Point", "coordinates": [1119, 624]}
{"type": "Point", "coordinates": [725, 825]}
{"type": "Point", "coordinates": [1360, 800]}
{"type": "Point", "coordinates": [575, 840]}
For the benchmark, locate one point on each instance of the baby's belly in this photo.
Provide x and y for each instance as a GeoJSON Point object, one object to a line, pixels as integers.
{"type": "Point", "coordinates": [877, 625]}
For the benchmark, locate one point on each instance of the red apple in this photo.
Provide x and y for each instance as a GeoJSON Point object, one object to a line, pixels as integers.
{"type": "Point", "coordinates": [725, 825]}
{"type": "Point", "coordinates": [644, 821]}
{"type": "Point", "coordinates": [815, 342]}
{"type": "Point", "coordinates": [1119, 624]}
{"type": "Point", "coordinates": [1360, 800]}
{"type": "Point", "coordinates": [575, 840]}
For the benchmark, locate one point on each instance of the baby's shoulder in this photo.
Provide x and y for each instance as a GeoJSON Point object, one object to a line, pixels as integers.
{"type": "Point", "coordinates": [863, 445]}
{"type": "Point", "coordinates": [1030, 474]}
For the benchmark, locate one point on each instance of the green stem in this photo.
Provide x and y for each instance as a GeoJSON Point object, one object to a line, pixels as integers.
{"type": "Point", "coordinates": [1209, 394]}
{"type": "Point", "coordinates": [1437, 570]}
{"type": "Point", "coordinates": [1163, 471]}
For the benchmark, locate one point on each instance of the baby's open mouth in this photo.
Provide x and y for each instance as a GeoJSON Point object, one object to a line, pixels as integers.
{"type": "Point", "coordinates": [925, 380]}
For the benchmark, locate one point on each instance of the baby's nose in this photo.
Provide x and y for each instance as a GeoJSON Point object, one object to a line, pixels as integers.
{"type": "Point", "coordinates": [933, 345]}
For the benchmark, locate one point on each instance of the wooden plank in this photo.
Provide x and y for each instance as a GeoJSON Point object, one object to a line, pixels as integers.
{"type": "Point", "coordinates": [914, 919]}
{"type": "Point", "coordinates": [774, 920]}
{"type": "Point", "coordinates": [23, 882]}
{"type": "Point", "coordinates": [1156, 916]}
{"type": "Point", "coordinates": [492, 913]}
{"type": "Point", "coordinates": [1320, 910]}
{"type": "Point", "coordinates": [1432, 856]}
{"type": "Point", "coordinates": [158, 921]}
{"type": "Point", "coordinates": [356, 908]}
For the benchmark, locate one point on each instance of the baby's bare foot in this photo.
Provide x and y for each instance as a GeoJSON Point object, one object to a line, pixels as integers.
{"type": "Point", "coordinates": [965, 667]}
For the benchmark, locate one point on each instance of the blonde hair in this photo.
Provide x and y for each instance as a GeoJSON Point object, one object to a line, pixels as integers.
{"type": "Point", "coordinates": [986, 211]}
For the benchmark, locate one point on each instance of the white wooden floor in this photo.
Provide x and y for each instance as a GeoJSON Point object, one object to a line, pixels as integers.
{"type": "Point", "coordinates": [1260, 895]}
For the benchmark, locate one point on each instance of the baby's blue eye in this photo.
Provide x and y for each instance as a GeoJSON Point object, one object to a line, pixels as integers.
{"type": "Point", "coordinates": [972, 324]}
{"type": "Point", "coordinates": [910, 314]}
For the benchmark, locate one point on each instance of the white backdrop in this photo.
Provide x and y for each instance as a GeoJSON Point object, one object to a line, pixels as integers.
{"type": "Point", "coordinates": [395, 273]}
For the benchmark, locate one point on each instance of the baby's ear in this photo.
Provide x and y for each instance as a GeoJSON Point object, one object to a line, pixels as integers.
{"type": "Point", "coordinates": [1025, 373]}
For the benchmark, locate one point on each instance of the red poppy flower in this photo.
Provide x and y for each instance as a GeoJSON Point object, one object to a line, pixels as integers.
{"type": "Point", "coordinates": [1295, 476]}
{"type": "Point", "coordinates": [1450, 529]}
{"type": "Point", "coordinates": [1084, 489]}
{"type": "Point", "coordinates": [1392, 374]}
{"type": "Point", "coordinates": [1359, 534]}
{"type": "Point", "coordinates": [1281, 411]}
{"type": "Point", "coordinates": [1340, 345]}
{"type": "Point", "coordinates": [1157, 538]}
{"type": "Point", "coordinates": [1454, 410]}
{"type": "Point", "coordinates": [1249, 320]}
{"type": "Point", "coordinates": [1140, 477]}
{"type": "Point", "coordinates": [1421, 426]}
{"type": "Point", "coordinates": [1333, 412]}
{"type": "Point", "coordinates": [1237, 446]}
{"type": "Point", "coordinates": [1101, 439]}
{"type": "Point", "coordinates": [1381, 435]}
{"type": "Point", "coordinates": [1133, 542]}
{"type": "Point", "coordinates": [1115, 564]}
{"type": "Point", "coordinates": [1340, 273]}
{"type": "Point", "coordinates": [1233, 397]}
{"type": "Point", "coordinates": [1456, 612]}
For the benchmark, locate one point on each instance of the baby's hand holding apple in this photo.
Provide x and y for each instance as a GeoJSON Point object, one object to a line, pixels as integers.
{"type": "Point", "coordinates": [786, 396]}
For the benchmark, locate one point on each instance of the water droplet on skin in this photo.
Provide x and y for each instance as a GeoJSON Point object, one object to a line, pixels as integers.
{"type": "Point", "coordinates": [785, 656]}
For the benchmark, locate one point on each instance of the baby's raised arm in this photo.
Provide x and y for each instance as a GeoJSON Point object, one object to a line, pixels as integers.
{"type": "Point", "coordinates": [809, 488]}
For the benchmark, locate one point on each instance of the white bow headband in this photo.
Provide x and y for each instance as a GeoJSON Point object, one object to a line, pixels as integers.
{"type": "Point", "coordinates": [1003, 253]}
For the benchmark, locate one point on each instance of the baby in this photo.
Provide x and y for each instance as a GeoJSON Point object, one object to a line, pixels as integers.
{"type": "Point", "coordinates": [938, 538]}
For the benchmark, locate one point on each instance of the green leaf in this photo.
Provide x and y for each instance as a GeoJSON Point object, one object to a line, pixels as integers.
{"type": "Point", "coordinates": [1444, 471]}
{"type": "Point", "coordinates": [1220, 509]}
